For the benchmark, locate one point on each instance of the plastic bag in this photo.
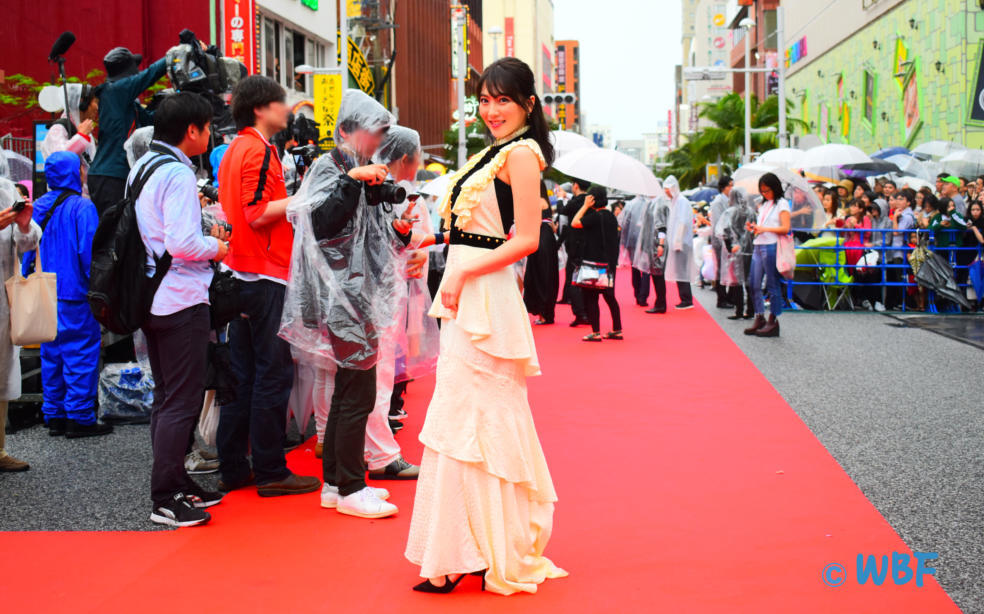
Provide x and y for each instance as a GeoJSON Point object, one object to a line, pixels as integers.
{"type": "Point", "coordinates": [126, 393]}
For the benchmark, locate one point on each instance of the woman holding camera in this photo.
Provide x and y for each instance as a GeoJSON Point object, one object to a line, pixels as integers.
{"type": "Point", "coordinates": [773, 222]}
{"type": "Point", "coordinates": [485, 499]}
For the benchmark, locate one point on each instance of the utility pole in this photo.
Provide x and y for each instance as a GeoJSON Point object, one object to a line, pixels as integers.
{"type": "Point", "coordinates": [748, 23]}
{"type": "Point", "coordinates": [781, 45]}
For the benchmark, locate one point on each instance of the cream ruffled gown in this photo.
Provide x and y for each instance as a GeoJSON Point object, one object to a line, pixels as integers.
{"type": "Point", "coordinates": [484, 497]}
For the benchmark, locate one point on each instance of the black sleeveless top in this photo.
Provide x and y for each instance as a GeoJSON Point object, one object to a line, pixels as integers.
{"type": "Point", "coordinates": [504, 196]}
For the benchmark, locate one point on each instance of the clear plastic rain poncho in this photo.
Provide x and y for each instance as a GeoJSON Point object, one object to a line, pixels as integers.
{"type": "Point", "coordinates": [731, 230]}
{"type": "Point", "coordinates": [138, 144]}
{"type": "Point", "coordinates": [416, 334]}
{"type": "Point", "coordinates": [631, 223]}
{"type": "Point", "coordinates": [58, 139]}
{"type": "Point", "coordinates": [340, 293]}
{"type": "Point", "coordinates": [680, 262]}
{"type": "Point", "coordinates": [4, 166]}
{"type": "Point", "coordinates": [652, 222]}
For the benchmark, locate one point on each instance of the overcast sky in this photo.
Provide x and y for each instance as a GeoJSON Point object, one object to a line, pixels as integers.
{"type": "Point", "coordinates": [628, 51]}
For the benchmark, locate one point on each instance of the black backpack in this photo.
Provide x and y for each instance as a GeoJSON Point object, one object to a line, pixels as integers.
{"type": "Point", "coordinates": [120, 293]}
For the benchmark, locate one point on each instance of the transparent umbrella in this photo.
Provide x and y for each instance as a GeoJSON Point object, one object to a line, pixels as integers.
{"type": "Point", "coordinates": [610, 168]}
{"type": "Point", "coordinates": [438, 186]}
{"type": "Point", "coordinates": [565, 142]}
{"type": "Point", "coordinates": [807, 210]}
{"type": "Point", "coordinates": [783, 156]}
{"type": "Point", "coordinates": [935, 150]}
{"type": "Point", "coordinates": [18, 167]}
{"type": "Point", "coordinates": [826, 159]}
{"type": "Point", "coordinates": [964, 163]}
{"type": "Point", "coordinates": [911, 165]}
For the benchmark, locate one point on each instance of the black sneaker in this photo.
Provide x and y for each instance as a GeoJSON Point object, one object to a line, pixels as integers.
{"type": "Point", "coordinates": [179, 512]}
{"type": "Point", "coordinates": [56, 427]}
{"type": "Point", "coordinates": [682, 306]}
{"type": "Point", "coordinates": [201, 498]}
{"type": "Point", "coordinates": [74, 430]}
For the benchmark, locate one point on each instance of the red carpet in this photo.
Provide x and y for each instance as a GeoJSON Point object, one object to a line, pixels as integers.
{"type": "Point", "coordinates": [686, 484]}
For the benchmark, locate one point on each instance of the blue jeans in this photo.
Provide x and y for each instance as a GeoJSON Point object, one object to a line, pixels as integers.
{"type": "Point", "coordinates": [764, 263]}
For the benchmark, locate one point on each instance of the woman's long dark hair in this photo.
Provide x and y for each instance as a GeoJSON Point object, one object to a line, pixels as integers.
{"type": "Point", "coordinates": [772, 182]}
{"type": "Point", "coordinates": [513, 79]}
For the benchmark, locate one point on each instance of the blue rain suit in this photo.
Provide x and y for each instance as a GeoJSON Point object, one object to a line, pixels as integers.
{"type": "Point", "coordinates": [70, 363]}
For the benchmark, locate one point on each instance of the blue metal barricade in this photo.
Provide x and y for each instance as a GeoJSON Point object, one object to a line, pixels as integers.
{"type": "Point", "coordinates": [891, 275]}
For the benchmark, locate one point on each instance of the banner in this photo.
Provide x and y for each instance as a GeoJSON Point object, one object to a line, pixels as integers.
{"type": "Point", "coordinates": [240, 31]}
{"type": "Point", "coordinates": [977, 102]}
{"type": "Point", "coordinates": [327, 98]}
{"type": "Point", "coordinates": [359, 69]}
{"type": "Point", "coordinates": [510, 36]}
{"type": "Point", "coordinates": [459, 36]}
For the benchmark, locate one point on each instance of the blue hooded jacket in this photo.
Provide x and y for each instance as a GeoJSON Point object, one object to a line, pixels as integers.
{"type": "Point", "coordinates": [66, 242]}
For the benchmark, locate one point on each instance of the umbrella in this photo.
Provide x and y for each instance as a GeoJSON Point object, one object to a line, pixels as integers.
{"type": "Point", "coordinates": [884, 154]}
{"type": "Point", "coordinates": [911, 165]}
{"type": "Point", "coordinates": [436, 187]}
{"type": "Point", "coordinates": [936, 149]}
{"type": "Point", "coordinates": [19, 167]}
{"type": "Point", "coordinates": [964, 163]}
{"type": "Point", "coordinates": [610, 168]}
{"type": "Point", "coordinates": [807, 209]}
{"type": "Point", "coordinates": [703, 194]}
{"type": "Point", "coordinates": [976, 275]}
{"type": "Point", "coordinates": [564, 142]}
{"type": "Point", "coordinates": [913, 182]}
{"type": "Point", "coordinates": [870, 169]}
{"type": "Point", "coordinates": [826, 159]}
{"type": "Point", "coordinates": [784, 156]}
{"type": "Point", "coordinates": [425, 175]}
{"type": "Point", "coordinates": [936, 274]}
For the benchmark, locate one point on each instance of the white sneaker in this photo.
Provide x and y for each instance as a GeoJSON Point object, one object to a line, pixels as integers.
{"type": "Point", "coordinates": [196, 464]}
{"type": "Point", "coordinates": [330, 497]}
{"type": "Point", "coordinates": [879, 307]}
{"type": "Point", "coordinates": [365, 504]}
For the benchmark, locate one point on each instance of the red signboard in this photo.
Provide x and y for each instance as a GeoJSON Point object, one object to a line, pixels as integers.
{"type": "Point", "coordinates": [510, 38]}
{"type": "Point", "coordinates": [240, 32]}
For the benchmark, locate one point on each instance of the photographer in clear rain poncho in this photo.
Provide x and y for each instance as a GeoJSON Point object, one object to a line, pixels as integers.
{"type": "Point", "coordinates": [345, 272]}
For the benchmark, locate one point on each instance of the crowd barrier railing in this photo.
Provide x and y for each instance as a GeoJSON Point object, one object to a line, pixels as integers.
{"type": "Point", "coordinates": [891, 278]}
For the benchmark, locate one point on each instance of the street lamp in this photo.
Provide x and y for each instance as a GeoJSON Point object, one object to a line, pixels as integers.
{"type": "Point", "coordinates": [747, 24]}
{"type": "Point", "coordinates": [495, 32]}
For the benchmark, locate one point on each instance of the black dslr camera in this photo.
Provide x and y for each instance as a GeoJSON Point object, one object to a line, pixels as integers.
{"type": "Point", "coordinates": [386, 192]}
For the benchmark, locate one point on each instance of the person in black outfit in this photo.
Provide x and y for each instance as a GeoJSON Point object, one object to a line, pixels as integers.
{"type": "Point", "coordinates": [573, 241]}
{"type": "Point", "coordinates": [542, 277]}
{"type": "Point", "coordinates": [600, 245]}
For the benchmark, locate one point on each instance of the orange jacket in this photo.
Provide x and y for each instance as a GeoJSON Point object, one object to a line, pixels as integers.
{"type": "Point", "coordinates": [250, 176]}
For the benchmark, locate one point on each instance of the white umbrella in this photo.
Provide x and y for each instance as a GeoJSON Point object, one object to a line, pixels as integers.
{"type": "Point", "coordinates": [437, 186]}
{"type": "Point", "coordinates": [783, 156]}
{"type": "Point", "coordinates": [826, 159]}
{"type": "Point", "coordinates": [565, 142]}
{"type": "Point", "coordinates": [911, 166]}
{"type": "Point", "coordinates": [610, 168]}
{"type": "Point", "coordinates": [936, 149]}
{"type": "Point", "coordinates": [965, 163]}
{"type": "Point", "coordinates": [913, 182]}
{"type": "Point", "coordinates": [805, 204]}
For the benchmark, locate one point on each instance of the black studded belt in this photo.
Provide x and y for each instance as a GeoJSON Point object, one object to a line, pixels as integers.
{"type": "Point", "coordinates": [459, 237]}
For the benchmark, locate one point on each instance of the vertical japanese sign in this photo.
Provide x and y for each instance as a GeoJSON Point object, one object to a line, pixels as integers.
{"type": "Point", "coordinates": [562, 84]}
{"type": "Point", "coordinates": [459, 35]}
{"type": "Point", "coordinates": [327, 99]}
{"type": "Point", "coordinates": [240, 32]}
{"type": "Point", "coordinates": [510, 36]}
{"type": "Point", "coordinates": [359, 69]}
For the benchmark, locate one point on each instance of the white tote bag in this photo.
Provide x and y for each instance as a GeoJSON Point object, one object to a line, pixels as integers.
{"type": "Point", "coordinates": [33, 306]}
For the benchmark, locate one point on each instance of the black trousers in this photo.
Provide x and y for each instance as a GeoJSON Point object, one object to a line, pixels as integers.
{"type": "Point", "coordinates": [105, 191]}
{"type": "Point", "coordinates": [686, 295]}
{"type": "Point", "coordinates": [343, 460]}
{"type": "Point", "coordinates": [737, 296]}
{"type": "Point", "coordinates": [261, 361]}
{"type": "Point", "coordinates": [572, 294]}
{"type": "Point", "coordinates": [594, 312]}
{"type": "Point", "coordinates": [659, 287]}
{"type": "Point", "coordinates": [640, 286]}
{"type": "Point", "coordinates": [178, 347]}
{"type": "Point", "coordinates": [895, 295]}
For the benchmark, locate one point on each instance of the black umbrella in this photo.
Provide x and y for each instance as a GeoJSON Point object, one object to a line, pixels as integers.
{"type": "Point", "coordinates": [868, 169]}
{"type": "Point", "coordinates": [936, 274]}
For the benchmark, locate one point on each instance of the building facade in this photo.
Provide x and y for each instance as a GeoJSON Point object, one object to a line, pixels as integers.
{"type": "Point", "coordinates": [527, 33]}
{"type": "Point", "coordinates": [909, 71]}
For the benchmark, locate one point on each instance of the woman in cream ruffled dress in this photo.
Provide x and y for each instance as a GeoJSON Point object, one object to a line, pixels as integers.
{"type": "Point", "coordinates": [485, 501]}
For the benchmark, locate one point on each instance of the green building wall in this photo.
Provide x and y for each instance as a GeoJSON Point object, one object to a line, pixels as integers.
{"type": "Point", "coordinates": [948, 31]}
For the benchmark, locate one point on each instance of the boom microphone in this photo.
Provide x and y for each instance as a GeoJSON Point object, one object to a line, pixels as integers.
{"type": "Point", "coordinates": [66, 40]}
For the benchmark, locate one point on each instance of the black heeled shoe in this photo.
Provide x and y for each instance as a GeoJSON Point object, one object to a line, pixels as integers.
{"type": "Point", "coordinates": [448, 586]}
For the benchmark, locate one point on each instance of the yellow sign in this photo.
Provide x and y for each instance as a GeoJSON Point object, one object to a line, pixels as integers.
{"type": "Point", "coordinates": [719, 20]}
{"type": "Point", "coordinates": [355, 8]}
{"type": "Point", "coordinates": [327, 98]}
{"type": "Point", "coordinates": [359, 68]}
